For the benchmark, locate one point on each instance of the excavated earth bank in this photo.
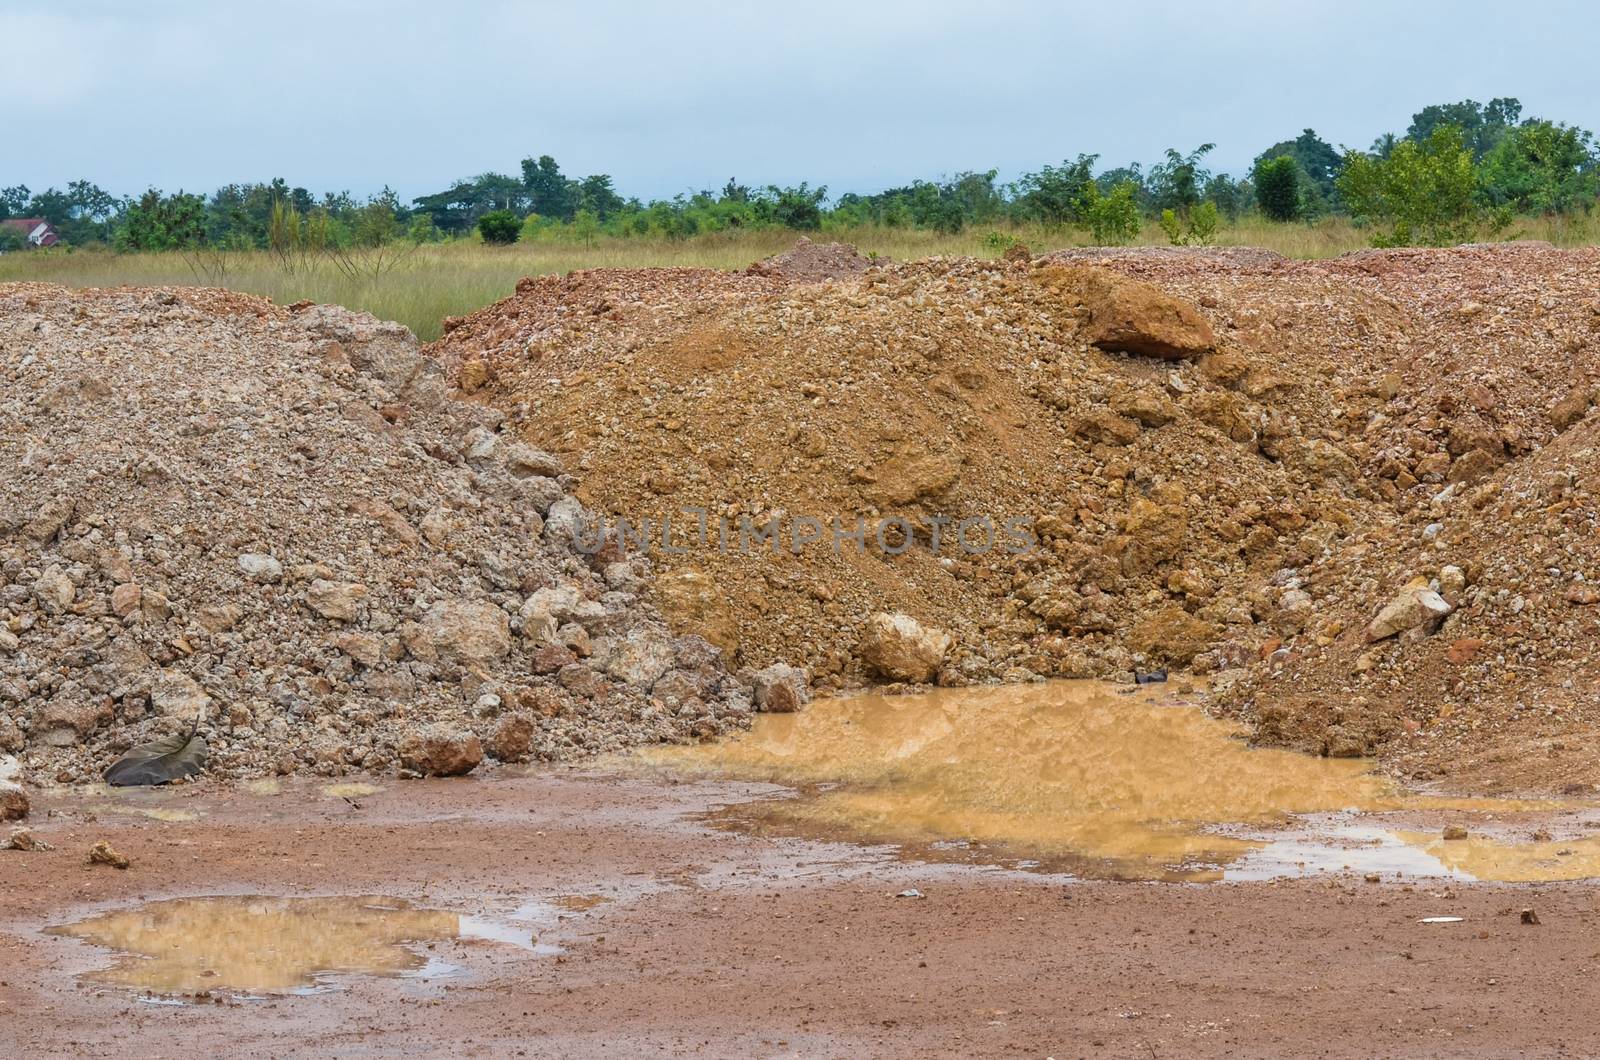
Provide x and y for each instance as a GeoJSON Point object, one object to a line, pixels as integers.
{"type": "Point", "coordinates": [1357, 494]}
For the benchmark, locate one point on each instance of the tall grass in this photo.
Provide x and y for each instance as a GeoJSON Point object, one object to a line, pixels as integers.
{"type": "Point", "coordinates": [451, 279]}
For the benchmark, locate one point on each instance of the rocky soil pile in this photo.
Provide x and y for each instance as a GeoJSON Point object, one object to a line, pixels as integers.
{"type": "Point", "coordinates": [1232, 462]}
{"type": "Point", "coordinates": [278, 521]}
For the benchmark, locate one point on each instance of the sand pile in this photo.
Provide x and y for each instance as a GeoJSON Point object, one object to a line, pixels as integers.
{"type": "Point", "coordinates": [278, 520]}
{"type": "Point", "coordinates": [1245, 506]}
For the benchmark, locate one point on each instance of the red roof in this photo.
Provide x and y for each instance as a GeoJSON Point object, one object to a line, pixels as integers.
{"type": "Point", "coordinates": [26, 226]}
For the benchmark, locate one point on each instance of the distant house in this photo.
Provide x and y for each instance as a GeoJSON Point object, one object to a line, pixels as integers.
{"type": "Point", "coordinates": [36, 230]}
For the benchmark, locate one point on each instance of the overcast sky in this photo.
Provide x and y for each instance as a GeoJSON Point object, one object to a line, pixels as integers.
{"type": "Point", "coordinates": [670, 97]}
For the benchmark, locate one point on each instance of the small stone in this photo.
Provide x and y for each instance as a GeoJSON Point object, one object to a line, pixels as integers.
{"type": "Point", "coordinates": [103, 854]}
{"type": "Point", "coordinates": [1415, 606]}
{"type": "Point", "coordinates": [126, 598]}
{"type": "Point", "coordinates": [339, 601]}
{"type": "Point", "coordinates": [54, 589]}
{"type": "Point", "coordinates": [260, 567]}
{"type": "Point", "coordinates": [1528, 916]}
{"type": "Point", "coordinates": [1464, 650]}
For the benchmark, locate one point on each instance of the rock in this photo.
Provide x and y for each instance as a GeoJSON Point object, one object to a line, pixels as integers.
{"type": "Point", "coordinates": [642, 658]}
{"type": "Point", "coordinates": [1415, 606]}
{"type": "Point", "coordinates": [260, 567]}
{"type": "Point", "coordinates": [1464, 650]}
{"type": "Point", "coordinates": [126, 598]}
{"type": "Point", "coordinates": [1172, 635]}
{"type": "Point", "coordinates": [897, 647]}
{"type": "Point", "coordinates": [1130, 316]}
{"type": "Point", "coordinates": [1106, 428]}
{"type": "Point", "coordinates": [364, 648]}
{"type": "Point", "coordinates": [1472, 466]}
{"type": "Point", "coordinates": [55, 590]}
{"type": "Point", "coordinates": [1149, 407]}
{"type": "Point", "coordinates": [336, 600]}
{"type": "Point", "coordinates": [440, 750]}
{"type": "Point", "coordinates": [1571, 409]}
{"type": "Point", "coordinates": [781, 689]}
{"type": "Point", "coordinates": [1452, 584]}
{"type": "Point", "coordinates": [23, 839]}
{"type": "Point", "coordinates": [13, 800]}
{"type": "Point", "coordinates": [102, 854]}
{"type": "Point", "coordinates": [1454, 833]}
{"type": "Point", "coordinates": [176, 694]}
{"type": "Point", "coordinates": [546, 610]}
{"type": "Point", "coordinates": [512, 738]}
{"type": "Point", "coordinates": [524, 461]}
{"type": "Point", "coordinates": [1582, 593]}
{"type": "Point", "coordinates": [467, 631]}
{"type": "Point", "coordinates": [9, 641]}
{"type": "Point", "coordinates": [692, 599]}
{"type": "Point", "coordinates": [219, 618]}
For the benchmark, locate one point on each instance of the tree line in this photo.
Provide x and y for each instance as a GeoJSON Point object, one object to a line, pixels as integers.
{"type": "Point", "coordinates": [1459, 169]}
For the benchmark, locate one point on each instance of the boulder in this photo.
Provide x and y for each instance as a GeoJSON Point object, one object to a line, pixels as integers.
{"type": "Point", "coordinates": [1172, 635]}
{"type": "Point", "coordinates": [897, 647]}
{"type": "Point", "coordinates": [468, 631]}
{"type": "Point", "coordinates": [781, 689]}
{"type": "Point", "coordinates": [641, 659]}
{"type": "Point", "coordinates": [177, 694]}
{"type": "Point", "coordinates": [441, 751]}
{"type": "Point", "coordinates": [512, 738]}
{"type": "Point", "coordinates": [1130, 316]}
{"type": "Point", "coordinates": [1414, 606]}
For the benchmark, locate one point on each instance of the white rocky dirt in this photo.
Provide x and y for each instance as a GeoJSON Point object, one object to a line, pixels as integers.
{"type": "Point", "coordinates": [277, 521]}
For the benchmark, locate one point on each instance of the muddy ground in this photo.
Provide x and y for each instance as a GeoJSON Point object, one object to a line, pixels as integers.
{"type": "Point", "coordinates": [716, 943]}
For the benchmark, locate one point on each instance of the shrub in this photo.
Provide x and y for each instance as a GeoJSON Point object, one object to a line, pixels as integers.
{"type": "Point", "coordinates": [1114, 217]}
{"type": "Point", "coordinates": [1421, 193]}
{"type": "Point", "coordinates": [500, 226]}
{"type": "Point", "coordinates": [1278, 188]}
{"type": "Point", "coordinates": [1196, 228]}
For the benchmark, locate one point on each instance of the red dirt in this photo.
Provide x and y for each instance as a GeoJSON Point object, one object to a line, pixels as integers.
{"type": "Point", "coordinates": [725, 945]}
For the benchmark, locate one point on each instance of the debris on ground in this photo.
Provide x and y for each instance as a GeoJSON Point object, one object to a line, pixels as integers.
{"type": "Point", "coordinates": [103, 854]}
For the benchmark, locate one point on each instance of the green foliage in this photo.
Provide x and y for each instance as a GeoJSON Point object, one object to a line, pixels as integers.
{"type": "Point", "coordinates": [1053, 196]}
{"type": "Point", "coordinates": [501, 227]}
{"type": "Point", "coordinates": [1176, 184]}
{"type": "Point", "coordinates": [1482, 126]}
{"type": "Point", "coordinates": [1422, 193]}
{"type": "Point", "coordinates": [1114, 217]}
{"type": "Point", "coordinates": [1277, 183]}
{"type": "Point", "coordinates": [1541, 167]}
{"type": "Point", "coordinates": [1318, 166]}
{"type": "Point", "coordinates": [11, 239]}
{"type": "Point", "coordinates": [1196, 228]}
{"type": "Point", "coordinates": [162, 222]}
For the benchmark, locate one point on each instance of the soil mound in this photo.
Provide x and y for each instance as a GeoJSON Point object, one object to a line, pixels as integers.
{"type": "Point", "coordinates": [812, 262]}
{"type": "Point", "coordinates": [278, 521]}
{"type": "Point", "coordinates": [1247, 508]}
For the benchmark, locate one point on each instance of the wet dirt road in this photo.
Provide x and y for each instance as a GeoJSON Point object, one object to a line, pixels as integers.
{"type": "Point", "coordinates": [715, 943]}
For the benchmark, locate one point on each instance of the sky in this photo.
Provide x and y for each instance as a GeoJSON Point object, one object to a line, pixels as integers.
{"type": "Point", "coordinates": [674, 97]}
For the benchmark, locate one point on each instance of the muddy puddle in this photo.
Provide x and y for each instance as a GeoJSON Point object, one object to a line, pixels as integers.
{"type": "Point", "coordinates": [259, 946]}
{"type": "Point", "coordinates": [1108, 781]}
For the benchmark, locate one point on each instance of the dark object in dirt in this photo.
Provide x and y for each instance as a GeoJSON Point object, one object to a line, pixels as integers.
{"type": "Point", "coordinates": [1529, 916]}
{"type": "Point", "coordinates": [1154, 677]}
{"type": "Point", "coordinates": [160, 761]}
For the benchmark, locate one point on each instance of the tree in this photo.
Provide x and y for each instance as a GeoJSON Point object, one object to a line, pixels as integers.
{"type": "Point", "coordinates": [1319, 166]}
{"type": "Point", "coordinates": [799, 207]}
{"type": "Point", "coordinates": [1113, 218]}
{"type": "Point", "coordinates": [501, 227]}
{"type": "Point", "coordinates": [1422, 193]}
{"type": "Point", "coordinates": [550, 193]}
{"type": "Point", "coordinates": [597, 196]}
{"type": "Point", "coordinates": [158, 222]}
{"type": "Point", "coordinates": [1541, 167]}
{"type": "Point", "coordinates": [1176, 183]}
{"type": "Point", "coordinates": [14, 201]}
{"type": "Point", "coordinates": [1054, 196]}
{"type": "Point", "coordinates": [1278, 187]}
{"type": "Point", "coordinates": [1482, 126]}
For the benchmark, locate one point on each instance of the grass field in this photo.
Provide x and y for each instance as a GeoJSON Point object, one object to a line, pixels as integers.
{"type": "Point", "coordinates": [435, 281]}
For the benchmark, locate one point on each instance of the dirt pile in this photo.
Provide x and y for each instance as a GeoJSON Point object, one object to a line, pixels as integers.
{"type": "Point", "coordinates": [1246, 508]}
{"type": "Point", "coordinates": [278, 520]}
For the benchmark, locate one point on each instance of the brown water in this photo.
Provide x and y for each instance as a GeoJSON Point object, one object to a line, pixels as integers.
{"type": "Point", "coordinates": [269, 945]}
{"type": "Point", "coordinates": [1084, 776]}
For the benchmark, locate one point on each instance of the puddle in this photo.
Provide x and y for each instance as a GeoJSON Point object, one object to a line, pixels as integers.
{"type": "Point", "coordinates": [1087, 778]}
{"type": "Point", "coordinates": [155, 813]}
{"type": "Point", "coordinates": [254, 945]}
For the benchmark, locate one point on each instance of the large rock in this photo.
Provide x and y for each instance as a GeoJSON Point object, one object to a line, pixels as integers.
{"type": "Point", "coordinates": [177, 694]}
{"type": "Point", "coordinates": [1415, 606]}
{"type": "Point", "coordinates": [467, 631]}
{"type": "Point", "coordinates": [781, 689]}
{"type": "Point", "coordinates": [641, 659]}
{"type": "Point", "coordinates": [895, 646]}
{"type": "Point", "coordinates": [1172, 635]}
{"type": "Point", "coordinates": [441, 751]}
{"type": "Point", "coordinates": [1130, 316]}
{"type": "Point", "coordinates": [13, 800]}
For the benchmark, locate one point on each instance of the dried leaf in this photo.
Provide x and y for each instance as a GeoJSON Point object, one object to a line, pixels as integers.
{"type": "Point", "coordinates": [160, 761]}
